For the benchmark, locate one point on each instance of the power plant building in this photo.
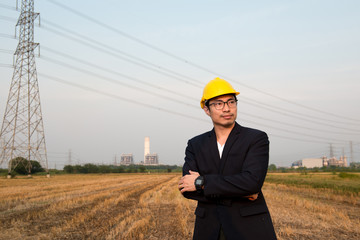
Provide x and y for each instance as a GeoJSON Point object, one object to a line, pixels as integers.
{"type": "Point", "coordinates": [312, 162]}
{"type": "Point", "coordinates": [127, 159]}
{"type": "Point", "coordinates": [321, 162]}
{"type": "Point", "coordinates": [149, 158]}
{"type": "Point", "coordinates": [342, 162]}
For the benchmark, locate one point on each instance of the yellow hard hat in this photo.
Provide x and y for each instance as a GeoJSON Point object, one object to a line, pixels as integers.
{"type": "Point", "coordinates": [215, 88]}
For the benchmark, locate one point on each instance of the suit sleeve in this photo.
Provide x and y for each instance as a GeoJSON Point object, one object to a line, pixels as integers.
{"type": "Point", "coordinates": [251, 177]}
{"type": "Point", "coordinates": [190, 164]}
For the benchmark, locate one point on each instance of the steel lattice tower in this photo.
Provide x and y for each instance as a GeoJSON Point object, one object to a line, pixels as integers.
{"type": "Point", "coordinates": [22, 131]}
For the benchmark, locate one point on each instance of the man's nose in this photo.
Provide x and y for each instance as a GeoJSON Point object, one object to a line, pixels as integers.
{"type": "Point", "coordinates": [226, 107]}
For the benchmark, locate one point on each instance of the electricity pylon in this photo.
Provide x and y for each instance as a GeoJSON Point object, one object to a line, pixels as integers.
{"type": "Point", "coordinates": [22, 131]}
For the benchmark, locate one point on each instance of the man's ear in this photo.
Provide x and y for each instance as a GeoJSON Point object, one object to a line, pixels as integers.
{"type": "Point", "coordinates": [207, 110]}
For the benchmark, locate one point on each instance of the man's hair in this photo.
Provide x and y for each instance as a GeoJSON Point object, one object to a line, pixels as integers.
{"type": "Point", "coordinates": [207, 101]}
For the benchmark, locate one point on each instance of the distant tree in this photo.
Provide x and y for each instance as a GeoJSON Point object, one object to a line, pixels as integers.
{"type": "Point", "coordinates": [79, 169]}
{"type": "Point", "coordinates": [355, 165]}
{"type": "Point", "coordinates": [142, 169]}
{"type": "Point", "coordinates": [91, 168]}
{"type": "Point", "coordinates": [68, 169]}
{"type": "Point", "coordinates": [22, 166]}
{"type": "Point", "coordinates": [3, 171]}
{"type": "Point", "coordinates": [272, 167]}
{"type": "Point", "coordinates": [120, 169]}
{"type": "Point", "coordinates": [36, 167]}
{"type": "Point", "coordinates": [104, 169]}
{"type": "Point", "coordinates": [169, 170]}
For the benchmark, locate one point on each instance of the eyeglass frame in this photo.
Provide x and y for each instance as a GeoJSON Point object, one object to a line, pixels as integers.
{"type": "Point", "coordinates": [223, 103]}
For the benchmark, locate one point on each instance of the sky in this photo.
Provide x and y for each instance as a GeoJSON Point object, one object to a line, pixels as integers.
{"type": "Point", "coordinates": [113, 72]}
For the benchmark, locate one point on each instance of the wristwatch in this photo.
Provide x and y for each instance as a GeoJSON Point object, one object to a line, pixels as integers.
{"type": "Point", "coordinates": [199, 183]}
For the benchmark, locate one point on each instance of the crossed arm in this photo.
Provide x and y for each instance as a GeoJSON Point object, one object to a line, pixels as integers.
{"type": "Point", "coordinates": [246, 183]}
{"type": "Point", "coordinates": [187, 184]}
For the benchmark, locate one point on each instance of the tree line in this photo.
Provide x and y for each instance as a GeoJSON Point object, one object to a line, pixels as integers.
{"type": "Point", "coordinates": [353, 167]}
{"type": "Point", "coordinates": [23, 168]}
{"type": "Point", "coordinates": [93, 168]}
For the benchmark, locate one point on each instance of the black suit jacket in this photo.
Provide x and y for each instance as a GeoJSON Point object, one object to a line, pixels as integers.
{"type": "Point", "coordinates": [238, 173]}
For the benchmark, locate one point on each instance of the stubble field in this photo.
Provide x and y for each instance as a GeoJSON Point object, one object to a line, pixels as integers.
{"type": "Point", "coordinates": [149, 206]}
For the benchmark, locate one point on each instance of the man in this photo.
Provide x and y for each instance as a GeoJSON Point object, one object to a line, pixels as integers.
{"type": "Point", "coordinates": [224, 171]}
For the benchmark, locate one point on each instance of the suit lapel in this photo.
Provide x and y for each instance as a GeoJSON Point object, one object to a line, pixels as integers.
{"type": "Point", "coordinates": [233, 136]}
{"type": "Point", "coordinates": [214, 152]}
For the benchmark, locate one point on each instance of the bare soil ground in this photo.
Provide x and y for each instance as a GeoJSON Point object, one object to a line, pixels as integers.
{"type": "Point", "coordinates": [305, 213]}
{"type": "Point", "coordinates": [149, 206]}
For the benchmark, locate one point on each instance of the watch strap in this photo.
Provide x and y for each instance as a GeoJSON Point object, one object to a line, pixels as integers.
{"type": "Point", "coordinates": [199, 183]}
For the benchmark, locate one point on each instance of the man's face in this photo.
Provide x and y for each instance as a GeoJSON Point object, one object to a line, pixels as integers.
{"type": "Point", "coordinates": [224, 117]}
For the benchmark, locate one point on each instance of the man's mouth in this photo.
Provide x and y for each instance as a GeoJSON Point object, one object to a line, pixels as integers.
{"type": "Point", "coordinates": [227, 116]}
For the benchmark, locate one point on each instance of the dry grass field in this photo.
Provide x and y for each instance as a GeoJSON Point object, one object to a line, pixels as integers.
{"type": "Point", "coordinates": [149, 206]}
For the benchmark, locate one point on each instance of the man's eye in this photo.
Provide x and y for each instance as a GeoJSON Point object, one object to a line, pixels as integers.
{"type": "Point", "coordinates": [218, 104]}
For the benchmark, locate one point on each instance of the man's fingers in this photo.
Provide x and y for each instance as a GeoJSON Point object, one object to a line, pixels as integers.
{"type": "Point", "coordinates": [183, 190]}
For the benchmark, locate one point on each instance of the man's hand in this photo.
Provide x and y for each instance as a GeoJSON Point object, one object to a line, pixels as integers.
{"type": "Point", "coordinates": [187, 182]}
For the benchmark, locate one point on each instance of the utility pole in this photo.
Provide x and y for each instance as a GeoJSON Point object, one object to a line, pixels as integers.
{"type": "Point", "coordinates": [115, 162]}
{"type": "Point", "coordinates": [331, 151]}
{"type": "Point", "coordinates": [22, 128]}
{"type": "Point", "coordinates": [351, 152]}
{"type": "Point", "coordinates": [69, 157]}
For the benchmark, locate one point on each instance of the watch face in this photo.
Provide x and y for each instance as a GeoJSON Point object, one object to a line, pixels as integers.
{"type": "Point", "coordinates": [198, 181]}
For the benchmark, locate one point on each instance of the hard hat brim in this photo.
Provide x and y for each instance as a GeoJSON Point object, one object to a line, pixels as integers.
{"type": "Point", "coordinates": [203, 100]}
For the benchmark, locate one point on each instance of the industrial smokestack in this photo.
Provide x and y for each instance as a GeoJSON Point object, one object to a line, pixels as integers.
{"type": "Point", "coordinates": [146, 147]}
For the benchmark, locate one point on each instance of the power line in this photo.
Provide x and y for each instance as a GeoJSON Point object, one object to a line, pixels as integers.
{"type": "Point", "coordinates": [6, 51]}
{"type": "Point", "coordinates": [8, 7]}
{"type": "Point", "coordinates": [112, 80]}
{"type": "Point", "coordinates": [251, 102]}
{"type": "Point", "coordinates": [278, 121]}
{"type": "Point", "coordinates": [102, 77]}
{"type": "Point", "coordinates": [115, 72]}
{"type": "Point", "coordinates": [9, 19]}
{"type": "Point", "coordinates": [6, 65]}
{"type": "Point", "coordinates": [122, 33]}
{"type": "Point", "coordinates": [119, 97]}
{"type": "Point", "coordinates": [112, 53]}
{"type": "Point", "coordinates": [177, 113]}
{"type": "Point", "coordinates": [151, 106]}
{"type": "Point", "coordinates": [298, 126]}
{"type": "Point", "coordinates": [152, 85]}
{"type": "Point", "coordinates": [112, 49]}
{"type": "Point", "coordinates": [7, 35]}
{"type": "Point", "coordinates": [296, 139]}
{"type": "Point", "coordinates": [297, 133]}
{"type": "Point", "coordinates": [300, 117]}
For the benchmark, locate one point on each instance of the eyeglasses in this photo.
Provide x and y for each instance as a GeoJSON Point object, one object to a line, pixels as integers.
{"type": "Point", "coordinates": [220, 104]}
